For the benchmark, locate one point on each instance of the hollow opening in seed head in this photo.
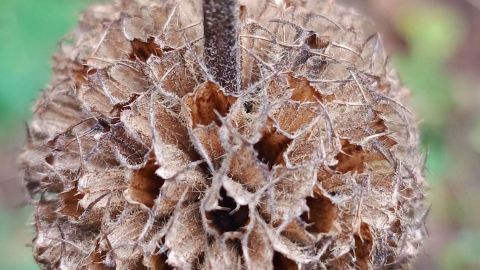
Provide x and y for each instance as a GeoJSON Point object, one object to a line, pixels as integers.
{"type": "Point", "coordinates": [378, 126]}
{"type": "Point", "coordinates": [321, 215]}
{"type": "Point", "coordinates": [363, 247]}
{"type": "Point", "coordinates": [143, 50]}
{"type": "Point", "coordinates": [315, 41]}
{"type": "Point", "coordinates": [159, 262]}
{"type": "Point", "coordinates": [199, 262]}
{"type": "Point", "coordinates": [145, 184]}
{"type": "Point", "coordinates": [69, 201]}
{"type": "Point", "coordinates": [99, 258]}
{"type": "Point", "coordinates": [207, 103]}
{"type": "Point", "coordinates": [280, 262]}
{"type": "Point", "coordinates": [271, 147]}
{"type": "Point", "coordinates": [351, 159]}
{"type": "Point", "coordinates": [50, 159]}
{"type": "Point", "coordinates": [231, 218]}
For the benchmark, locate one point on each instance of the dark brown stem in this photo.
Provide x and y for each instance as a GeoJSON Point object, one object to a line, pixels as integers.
{"type": "Point", "coordinates": [222, 50]}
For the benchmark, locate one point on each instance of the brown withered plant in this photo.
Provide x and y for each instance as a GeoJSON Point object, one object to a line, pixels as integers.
{"type": "Point", "coordinates": [182, 134]}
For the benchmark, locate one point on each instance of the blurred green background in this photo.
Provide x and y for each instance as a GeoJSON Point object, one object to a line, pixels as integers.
{"type": "Point", "coordinates": [435, 45]}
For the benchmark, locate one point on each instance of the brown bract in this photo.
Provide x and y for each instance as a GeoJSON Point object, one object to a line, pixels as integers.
{"type": "Point", "coordinates": [136, 159]}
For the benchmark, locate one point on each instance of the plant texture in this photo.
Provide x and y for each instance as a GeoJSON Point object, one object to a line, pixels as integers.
{"type": "Point", "coordinates": [149, 151]}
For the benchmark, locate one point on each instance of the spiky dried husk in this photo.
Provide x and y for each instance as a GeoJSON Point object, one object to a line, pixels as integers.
{"type": "Point", "coordinates": [137, 160]}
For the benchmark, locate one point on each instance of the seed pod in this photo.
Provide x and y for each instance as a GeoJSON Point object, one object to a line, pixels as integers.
{"type": "Point", "coordinates": [137, 159]}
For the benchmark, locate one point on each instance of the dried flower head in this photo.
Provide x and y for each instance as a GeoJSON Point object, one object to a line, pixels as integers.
{"type": "Point", "coordinates": [138, 159]}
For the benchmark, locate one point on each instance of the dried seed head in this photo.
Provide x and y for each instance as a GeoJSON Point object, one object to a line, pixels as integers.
{"type": "Point", "coordinates": [137, 160]}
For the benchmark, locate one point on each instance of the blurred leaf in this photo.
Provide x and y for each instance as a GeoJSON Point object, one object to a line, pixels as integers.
{"type": "Point", "coordinates": [433, 33]}
{"type": "Point", "coordinates": [14, 237]}
{"type": "Point", "coordinates": [463, 253]}
{"type": "Point", "coordinates": [475, 136]}
{"type": "Point", "coordinates": [437, 159]}
{"type": "Point", "coordinates": [29, 32]}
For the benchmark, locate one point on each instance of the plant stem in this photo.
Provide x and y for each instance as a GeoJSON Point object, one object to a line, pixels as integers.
{"type": "Point", "coordinates": [222, 50]}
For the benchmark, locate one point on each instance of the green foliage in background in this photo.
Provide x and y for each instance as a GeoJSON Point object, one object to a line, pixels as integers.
{"type": "Point", "coordinates": [29, 32]}
{"type": "Point", "coordinates": [14, 237]}
{"type": "Point", "coordinates": [463, 253]}
{"type": "Point", "coordinates": [432, 34]}
{"type": "Point", "coordinates": [474, 136]}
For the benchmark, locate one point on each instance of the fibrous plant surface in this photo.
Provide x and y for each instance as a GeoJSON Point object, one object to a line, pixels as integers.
{"type": "Point", "coordinates": [137, 159]}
